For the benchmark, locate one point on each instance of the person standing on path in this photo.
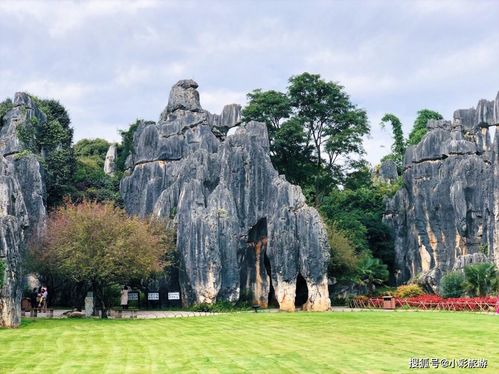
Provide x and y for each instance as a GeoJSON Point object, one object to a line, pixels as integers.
{"type": "Point", "coordinates": [124, 297]}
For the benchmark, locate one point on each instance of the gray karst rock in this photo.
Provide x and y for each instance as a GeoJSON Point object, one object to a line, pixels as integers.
{"type": "Point", "coordinates": [22, 209]}
{"type": "Point", "coordinates": [446, 215]}
{"type": "Point", "coordinates": [388, 171]}
{"type": "Point", "coordinates": [110, 162]}
{"type": "Point", "coordinates": [243, 231]}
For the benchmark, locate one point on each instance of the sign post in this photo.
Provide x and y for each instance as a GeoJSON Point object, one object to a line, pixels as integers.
{"type": "Point", "coordinates": [153, 298]}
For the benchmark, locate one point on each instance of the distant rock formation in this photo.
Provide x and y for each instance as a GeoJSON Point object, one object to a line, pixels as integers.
{"type": "Point", "coordinates": [446, 215]}
{"type": "Point", "coordinates": [388, 172]}
{"type": "Point", "coordinates": [22, 210]}
{"type": "Point", "coordinates": [110, 162]}
{"type": "Point", "coordinates": [243, 231]}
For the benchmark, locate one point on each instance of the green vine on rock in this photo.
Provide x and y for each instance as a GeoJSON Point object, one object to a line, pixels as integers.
{"type": "Point", "coordinates": [3, 267]}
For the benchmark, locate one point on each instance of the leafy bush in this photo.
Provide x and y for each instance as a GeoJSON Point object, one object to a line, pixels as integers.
{"type": "Point", "coordinates": [126, 147]}
{"type": "Point", "coordinates": [481, 279]}
{"type": "Point", "coordinates": [452, 284]}
{"type": "Point", "coordinates": [343, 261]}
{"type": "Point", "coordinates": [409, 290]}
{"type": "Point", "coordinates": [5, 106]}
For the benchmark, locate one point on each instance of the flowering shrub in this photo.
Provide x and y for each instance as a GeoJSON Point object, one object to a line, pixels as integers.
{"type": "Point", "coordinates": [457, 303]}
{"type": "Point", "coordinates": [435, 302]}
{"type": "Point", "coordinates": [409, 290]}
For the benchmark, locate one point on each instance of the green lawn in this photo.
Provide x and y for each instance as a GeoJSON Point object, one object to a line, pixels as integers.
{"type": "Point", "coordinates": [363, 342]}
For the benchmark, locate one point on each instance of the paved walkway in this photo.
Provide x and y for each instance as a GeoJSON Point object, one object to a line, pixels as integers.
{"type": "Point", "coordinates": [152, 314]}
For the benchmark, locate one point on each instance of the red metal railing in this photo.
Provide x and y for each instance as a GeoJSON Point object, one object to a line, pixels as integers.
{"type": "Point", "coordinates": [430, 302]}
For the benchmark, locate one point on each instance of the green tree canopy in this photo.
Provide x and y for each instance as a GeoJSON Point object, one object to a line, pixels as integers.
{"type": "Point", "coordinates": [270, 107]}
{"type": "Point", "coordinates": [398, 146]}
{"type": "Point", "coordinates": [419, 129]}
{"type": "Point", "coordinates": [92, 147]}
{"type": "Point", "coordinates": [334, 125]}
{"type": "Point", "coordinates": [314, 129]}
{"type": "Point", "coordinates": [52, 140]}
{"type": "Point", "coordinates": [101, 245]}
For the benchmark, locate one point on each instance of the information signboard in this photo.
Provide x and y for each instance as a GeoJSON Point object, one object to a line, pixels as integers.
{"type": "Point", "coordinates": [153, 296]}
{"type": "Point", "coordinates": [173, 295]}
{"type": "Point", "coordinates": [133, 296]}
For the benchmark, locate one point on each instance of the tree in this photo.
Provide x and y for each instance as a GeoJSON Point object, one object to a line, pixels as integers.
{"type": "Point", "coordinates": [101, 245]}
{"type": "Point", "coordinates": [92, 148]}
{"type": "Point", "coordinates": [269, 107]}
{"type": "Point", "coordinates": [126, 147]}
{"type": "Point", "coordinates": [481, 279]}
{"type": "Point", "coordinates": [343, 260]}
{"type": "Point", "coordinates": [398, 146]}
{"type": "Point", "coordinates": [419, 129]}
{"type": "Point", "coordinates": [334, 125]}
{"type": "Point", "coordinates": [90, 182]}
{"type": "Point", "coordinates": [5, 106]}
{"type": "Point", "coordinates": [52, 140]}
{"type": "Point", "coordinates": [358, 213]}
{"type": "Point", "coordinates": [291, 156]}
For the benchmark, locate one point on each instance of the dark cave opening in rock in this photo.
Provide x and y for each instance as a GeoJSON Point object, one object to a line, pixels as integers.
{"type": "Point", "coordinates": [272, 300]}
{"type": "Point", "coordinates": [255, 273]}
{"type": "Point", "coordinates": [301, 291]}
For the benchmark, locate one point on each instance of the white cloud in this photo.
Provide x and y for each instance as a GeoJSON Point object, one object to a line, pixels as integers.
{"type": "Point", "coordinates": [63, 91]}
{"type": "Point", "coordinates": [215, 100]}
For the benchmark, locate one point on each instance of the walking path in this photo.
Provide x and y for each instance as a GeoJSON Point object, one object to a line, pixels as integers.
{"type": "Point", "coordinates": [152, 314]}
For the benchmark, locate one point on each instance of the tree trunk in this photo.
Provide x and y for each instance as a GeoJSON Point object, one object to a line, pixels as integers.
{"type": "Point", "coordinates": [99, 293]}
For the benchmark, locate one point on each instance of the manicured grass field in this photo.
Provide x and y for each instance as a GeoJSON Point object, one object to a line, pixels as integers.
{"type": "Point", "coordinates": [342, 342]}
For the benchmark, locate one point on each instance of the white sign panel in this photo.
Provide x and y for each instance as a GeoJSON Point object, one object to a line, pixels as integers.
{"type": "Point", "coordinates": [133, 296]}
{"type": "Point", "coordinates": [153, 296]}
{"type": "Point", "coordinates": [173, 295]}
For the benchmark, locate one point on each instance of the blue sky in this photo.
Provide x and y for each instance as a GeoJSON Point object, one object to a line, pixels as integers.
{"type": "Point", "coordinates": [111, 62]}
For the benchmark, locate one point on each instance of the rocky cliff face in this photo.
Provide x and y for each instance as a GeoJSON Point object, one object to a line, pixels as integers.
{"type": "Point", "coordinates": [446, 215]}
{"type": "Point", "coordinates": [22, 210]}
{"type": "Point", "coordinates": [242, 230]}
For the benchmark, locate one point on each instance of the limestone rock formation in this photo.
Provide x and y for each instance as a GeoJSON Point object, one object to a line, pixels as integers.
{"type": "Point", "coordinates": [110, 162]}
{"type": "Point", "coordinates": [22, 209]}
{"type": "Point", "coordinates": [243, 231]}
{"type": "Point", "coordinates": [447, 213]}
{"type": "Point", "coordinates": [388, 171]}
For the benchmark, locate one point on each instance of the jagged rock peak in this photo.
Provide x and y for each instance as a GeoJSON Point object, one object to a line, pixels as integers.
{"type": "Point", "coordinates": [22, 98]}
{"type": "Point", "coordinates": [445, 215]}
{"type": "Point", "coordinates": [242, 230]}
{"type": "Point", "coordinates": [22, 210]}
{"type": "Point", "coordinates": [183, 96]}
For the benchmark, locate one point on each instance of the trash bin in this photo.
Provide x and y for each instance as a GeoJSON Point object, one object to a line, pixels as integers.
{"type": "Point", "coordinates": [388, 302]}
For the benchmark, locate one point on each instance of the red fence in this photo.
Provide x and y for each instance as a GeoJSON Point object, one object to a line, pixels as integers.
{"type": "Point", "coordinates": [431, 302]}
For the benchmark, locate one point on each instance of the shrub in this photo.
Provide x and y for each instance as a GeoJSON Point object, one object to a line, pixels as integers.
{"type": "Point", "coordinates": [5, 106]}
{"type": "Point", "coordinates": [452, 284]}
{"type": "Point", "coordinates": [409, 290]}
{"type": "Point", "coordinates": [481, 279]}
{"type": "Point", "coordinates": [343, 261]}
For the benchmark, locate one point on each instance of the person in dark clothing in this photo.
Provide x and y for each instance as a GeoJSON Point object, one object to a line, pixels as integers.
{"type": "Point", "coordinates": [33, 296]}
